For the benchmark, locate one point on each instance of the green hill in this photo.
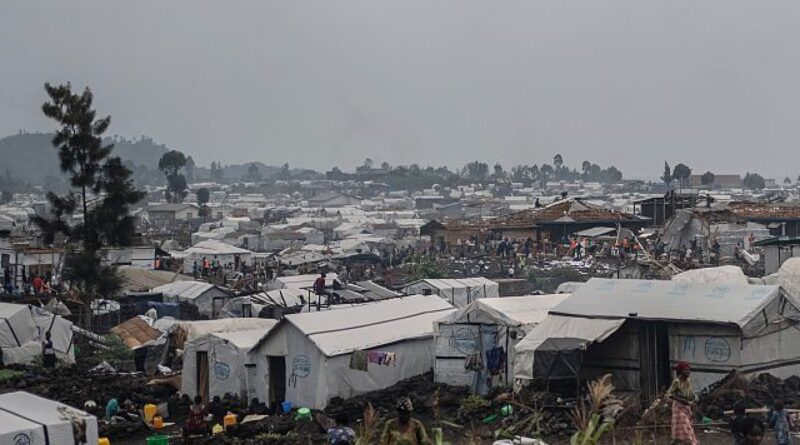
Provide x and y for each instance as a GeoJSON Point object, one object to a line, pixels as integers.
{"type": "Point", "coordinates": [31, 157]}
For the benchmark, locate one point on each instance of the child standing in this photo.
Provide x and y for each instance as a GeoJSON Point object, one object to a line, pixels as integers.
{"type": "Point", "coordinates": [737, 423]}
{"type": "Point", "coordinates": [779, 421]}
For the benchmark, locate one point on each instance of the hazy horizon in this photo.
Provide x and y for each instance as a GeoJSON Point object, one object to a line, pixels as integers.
{"type": "Point", "coordinates": [323, 84]}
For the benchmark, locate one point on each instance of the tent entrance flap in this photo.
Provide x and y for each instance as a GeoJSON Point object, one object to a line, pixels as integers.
{"type": "Point", "coordinates": [654, 360]}
{"type": "Point", "coordinates": [277, 379]}
{"type": "Point", "coordinates": [202, 375]}
{"type": "Point", "coordinates": [559, 358]}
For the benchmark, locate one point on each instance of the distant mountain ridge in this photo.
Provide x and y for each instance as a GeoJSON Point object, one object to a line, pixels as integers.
{"type": "Point", "coordinates": [32, 157]}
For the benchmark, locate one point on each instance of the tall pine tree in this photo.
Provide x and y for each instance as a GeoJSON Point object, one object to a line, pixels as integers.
{"type": "Point", "coordinates": [104, 193]}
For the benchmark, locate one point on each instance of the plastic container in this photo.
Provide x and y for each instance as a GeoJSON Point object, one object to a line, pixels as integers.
{"type": "Point", "coordinates": [150, 411]}
{"type": "Point", "coordinates": [506, 410]}
{"type": "Point", "coordinates": [157, 440]}
{"type": "Point", "coordinates": [286, 406]}
{"type": "Point", "coordinates": [103, 441]}
{"type": "Point", "coordinates": [217, 429]}
{"type": "Point", "coordinates": [158, 422]}
{"type": "Point", "coordinates": [229, 419]}
{"type": "Point", "coordinates": [303, 414]}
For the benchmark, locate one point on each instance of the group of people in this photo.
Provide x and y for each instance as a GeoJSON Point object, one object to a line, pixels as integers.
{"type": "Point", "coordinates": [34, 284]}
{"type": "Point", "coordinates": [400, 430]}
{"type": "Point", "coordinates": [746, 429]}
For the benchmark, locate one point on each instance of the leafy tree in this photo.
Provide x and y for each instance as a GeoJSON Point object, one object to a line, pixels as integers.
{"type": "Point", "coordinates": [171, 164]}
{"type": "Point", "coordinates": [476, 171]}
{"type": "Point", "coordinates": [285, 172]}
{"type": "Point", "coordinates": [682, 172]}
{"type": "Point", "coordinates": [707, 178]}
{"type": "Point", "coordinates": [189, 169]}
{"type": "Point", "coordinates": [91, 169]}
{"type": "Point", "coordinates": [385, 166]}
{"type": "Point", "coordinates": [586, 166]}
{"type": "Point", "coordinates": [253, 173]}
{"type": "Point", "coordinates": [667, 175]}
{"type": "Point", "coordinates": [787, 181]}
{"type": "Point", "coordinates": [499, 173]}
{"type": "Point", "coordinates": [203, 196]}
{"type": "Point", "coordinates": [754, 181]}
{"type": "Point", "coordinates": [558, 161]}
{"type": "Point", "coordinates": [217, 174]}
{"type": "Point", "coordinates": [545, 173]}
{"type": "Point", "coordinates": [6, 196]}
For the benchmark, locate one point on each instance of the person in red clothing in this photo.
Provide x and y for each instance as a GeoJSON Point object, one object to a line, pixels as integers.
{"type": "Point", "coordinates": [319, 285]}
{"type": "Point", "coordinates": [37, 284]}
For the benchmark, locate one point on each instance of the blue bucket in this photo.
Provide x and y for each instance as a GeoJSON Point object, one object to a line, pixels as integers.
{"type": "Point", "coordinates": [286, 406]}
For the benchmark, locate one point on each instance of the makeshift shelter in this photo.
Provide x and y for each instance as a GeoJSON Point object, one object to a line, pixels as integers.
{"type": "Point", "coordinates": [458, 292]}
{"type": "Point", "coordinates": [732, 275]}
{"type": "Point", "coordinates": [215, 250]}
{"type": "Point", "coordinates": [208, 298]}
{"type": "Point", "coordinates": [638, 330]}
{"type": "Point", "coordinates": [136, 332]}
{"type": "Point", "coordinates": [136, 279]}
{"type": "Point", "coordinates": [23, 329]}
{"type": "Point", "coordinates": [469, 336]}
{"type": "Point", "coordinates": [312, 357]}
{"type": "Point", "coordinates": [706, 225]}
{"type": "Point", "coordinates": [213, 363]}
{"type": "Point", "coordinates": [26, 419]}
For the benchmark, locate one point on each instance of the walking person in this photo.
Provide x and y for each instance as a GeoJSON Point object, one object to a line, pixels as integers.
{"type": "Point", "coordinates": [48, 353]}
{"type": "Point", "coordinates": [683, 400]}
{"type": "Point", "coordinates": [781, 423]}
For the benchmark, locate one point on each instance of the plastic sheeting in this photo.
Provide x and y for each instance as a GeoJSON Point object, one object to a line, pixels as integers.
{"type": "Point", "coordinates": [458, 292]}
{"type": "Point", "coordinates": [55, 417]}
{"type": "Point", "coordinates": [23, 329]}
{"type": "Point", "coordinates": [668, 300]}
{"type": "Point", "coordinates": [374, 324]}
{"type": "Point", "coordinates": [554, 326]}
{"type": "Point", "coordinates": [732, 275]}
{"type": "Point", "coordinates": [227, 355]}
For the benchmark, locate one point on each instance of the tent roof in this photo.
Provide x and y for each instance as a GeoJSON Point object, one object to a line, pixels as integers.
{"type": "Point", "coordinates": [371, 325]}
{"type": "Point", "coordinates": [511, 311]}
{"type": "Point", "coordinates": [10, 309]}
{"type": "Point", "coordinates": [135, 279]}
{"type": "Point", "coordinates": [194, 329]}
{"type": "Point", "coordinates": [668, 300]}
{"type": "Point", "coordinates": [248, 338]}
{"type": "Point", "coordinates": [185, 290]}
{"type": "Point", "coordinates": [453, 283]}
{"type": "Point", "coordinates": [719, 275]}
{"type": "Point", "coordinates": [38, 409]}
{"type": "Point", "coordinates": [212, 247]}
{"type": "Point", "coordinates": [595, 231]}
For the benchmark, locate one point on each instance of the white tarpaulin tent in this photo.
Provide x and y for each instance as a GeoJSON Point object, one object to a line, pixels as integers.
{"type": "Point", "coordinates": [307, 358]}
{"type": "Point", "coordinates": [26, 419]}
{"type": "Point", "coordinates": [714, 327]}
{"type": "Point", "coordinates": [299, 281]}
{"type": "Point", "coordinates": [458, 292]}
{"type": "Point", "coordinates": [224, 355]}
{"type": "Point", "coordinates": [208, 298]}
{"type": "Point", "coordinates": [23, 329]}
{"type": "Point", "coordinates": [717, 275]}
{"type": "Point", "coordinates": [484, 325]}
{"type": "Point", "coordinates": [210, 250]}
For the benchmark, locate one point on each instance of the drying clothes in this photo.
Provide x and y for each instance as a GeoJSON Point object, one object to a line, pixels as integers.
{"type": "Point", "coordinates": [376, 357]}
{"type": "Point", "coordinates": [495, 359]}
{"type": "Point", "coordinates": [359, 360]}
{"type": "Point", "coordinates": [473, 362]}
{"type": "Point", "coordinates": [390, 359]}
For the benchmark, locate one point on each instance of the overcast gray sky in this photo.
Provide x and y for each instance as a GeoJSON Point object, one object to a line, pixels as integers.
{"type": "Point", "coordinates": [323, 83]}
